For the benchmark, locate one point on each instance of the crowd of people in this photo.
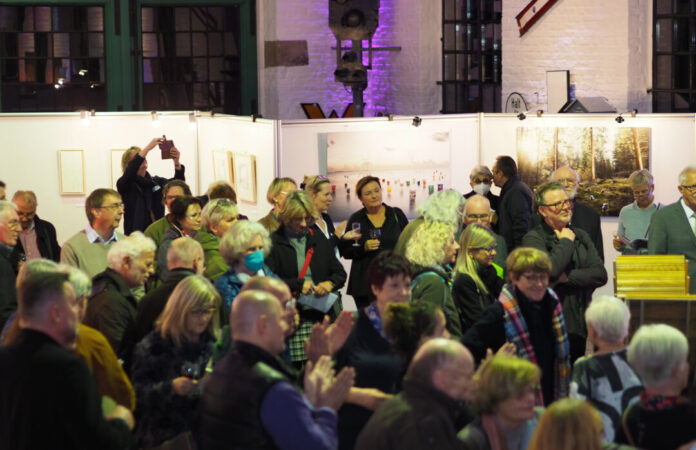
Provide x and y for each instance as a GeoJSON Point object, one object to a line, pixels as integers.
{"type": "Point", "coordinates": [474, 325]}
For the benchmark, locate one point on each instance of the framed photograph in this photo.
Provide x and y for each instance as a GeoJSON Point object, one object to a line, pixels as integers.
{"type": "Point", "coordinates": [71, 172]}
{"type": "Point", "coordinates": [222, 166]}
{"type": "Point", "coordinates": [116, 170]}
{"type": "Point", "coordinates": [245, 176]}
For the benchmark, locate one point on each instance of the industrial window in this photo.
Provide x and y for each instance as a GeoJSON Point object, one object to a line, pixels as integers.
{"type": "Point", "coordinates": [471, 56]}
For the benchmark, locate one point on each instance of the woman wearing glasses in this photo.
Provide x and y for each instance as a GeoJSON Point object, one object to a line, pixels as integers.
{"type": "Point", "coordinates": [528, 319]}
{"type": "Point", "coordinates": [476, 282]}
{"type": "Point", "coordinates": [185, 217]}
{"type": "Point", "coordinates": [170, 362]}
{"type": "Point", "coordinates": [216, 218]}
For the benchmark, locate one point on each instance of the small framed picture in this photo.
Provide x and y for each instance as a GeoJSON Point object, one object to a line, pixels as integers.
{"type": "Point", "coordinates": [245, 176]}
{"type": "Point", "coordinates": [222, 166]}
{"type": "Point", "coordinates": [71, 172]}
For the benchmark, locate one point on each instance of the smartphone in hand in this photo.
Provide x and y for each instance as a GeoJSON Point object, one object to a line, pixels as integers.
{"type": "Point", "coordinates": [166, 146]}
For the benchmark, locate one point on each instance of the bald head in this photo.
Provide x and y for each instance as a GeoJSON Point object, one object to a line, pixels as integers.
{"type": "Point", "coordinates": [445, 365]}
{"type": "Point", "coordinates": [272, 285]}
{"type": "Point", "coordinates": [569, 178]}
{"type": "Point", "coordinates": [185, 253]}
{"type": "Point", "coordinates": [257, 318]}
{"type": "Point", "coordinates": [477, 210]}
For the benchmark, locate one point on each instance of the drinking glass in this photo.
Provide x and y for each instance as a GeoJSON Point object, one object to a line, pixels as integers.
{"type": "Point", "coordinates": [356, 228]}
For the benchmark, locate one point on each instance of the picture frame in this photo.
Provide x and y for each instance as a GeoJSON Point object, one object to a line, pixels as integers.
{"type": "Point", "coordinates": [244, 166]}
{"type": "Point", "coordinates": [222, 166]}
{"type": "Point", "coordinates": [116, 171]}
{"type": "Point", "coordinates": [71, 172]}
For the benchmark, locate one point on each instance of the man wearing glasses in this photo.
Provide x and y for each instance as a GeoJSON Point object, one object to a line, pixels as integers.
{"type": "Point", "coordinates": [37, 238]}
{"type": "Point", "coordinates": [9, 230]}
{"type": "Point", "coordinates": [87, 249]}
{"type": "Point", "coordinates": [478, 210]}
{"type": "Point", "coordinates": [576, 268]}
{"type": "Point", "coordinates": [672, 227]}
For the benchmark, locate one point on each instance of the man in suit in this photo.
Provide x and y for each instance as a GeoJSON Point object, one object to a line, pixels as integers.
{"type": "Point", "coordinates": [515, 204]}
{"type": "Point", "coordinates": [672, 227]}
{"type": "Point", "coordinates": [37, 238]}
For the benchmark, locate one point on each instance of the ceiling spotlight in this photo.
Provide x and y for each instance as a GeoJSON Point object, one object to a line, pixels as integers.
{"type": "Point", "coordinates": [155, 118]}
{"type": "Point", "coordinates": [620, 119]}
{"type": "Point", "coordinates": [417, 121]}
{"type": "Point", "coordinates": [82, 72]}
{"type": "Point", "coordinates": [521, 116]}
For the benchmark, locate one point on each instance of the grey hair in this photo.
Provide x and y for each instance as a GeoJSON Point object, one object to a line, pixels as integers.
{"type": "Point", "coordinates": [577, 175]}
{"type": "Point", "coordinates": [182, 252]}
{"type": "Point", "coordinates": [132, 246]}
{"type": "Point", "coordinates": [480, 170]}
{"type": "Point", "coordinates": [655, 350]}
{"type": "Point", "coordinates": [432, 355]}
{"type": "Point", "coordinates": [477, 197]}
{"type": "Point", "coordinates": [235, 240]}
{"type": "Point", "coordinates": [640, 177]}
{"type": "Point", "coordinates": [444, 206]}
{"type": "Point", "coordinates": [79, 280]}
{"type": "Point", "coordinates": [609, 317]}
{"type": "Point", "coordinates": [687, 169]}
{"type": "Point", "coordinates": [6, 205]}
{"type": "Point", "coordinates": [35, 266]}
{"type": "Point", "coordinates": [215, 210]}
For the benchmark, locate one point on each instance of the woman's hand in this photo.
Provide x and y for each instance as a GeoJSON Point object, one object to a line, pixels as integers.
{"type": "Point", "coordinates": [341, 229]}
{"type": "Point", "coordinates": [351, 235]}
{"type": "Point", "coordinates": [323, 288]}
{"type": "Point", "coordinates": [175, 156]}
{"type": "Point", "coordinates": [183, 385]}
{"type": "Point", "coordinates": [307, 287]}
{"type": "Point", "coordinates": [150, 145]}
{"type": "Point", "coordinates": [371, 245]}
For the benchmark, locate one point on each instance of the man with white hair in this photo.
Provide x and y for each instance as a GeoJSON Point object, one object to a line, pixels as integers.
{"type": "Point", "coordinates": [480, 180]}
{"type": "Point", "coordinates": [662, 418]}
{"type": "Point", "coordinates": [672, 227]}
{"type": "Point", "coordinates": [112, 307]}
{"type": "Point", "coordinates": [428, 412]}
{"type": "Point", "coordinates": [9, 231]}
{"type": "Point", "coordinates": [605, 378]}
{"type": "Point", "coordinates": [87, 249]}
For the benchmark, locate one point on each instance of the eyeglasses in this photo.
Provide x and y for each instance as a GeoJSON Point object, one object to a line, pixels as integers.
{"type": "Point", "coordinates": [536, 277]}
{"type": "Point", "coordinates": [564, 181]}
{"type": "Point", "coordinates": [482, 180]}
{"type": "Point", "coordinates": [13, 224]}
{"type": "Point", "coordinates": [691, 188]}
{"type": "Point", "coordinates": [193, 216]}
{"type": "Point", "coordinates": [26, 214]}
{"type": "Point", "coordinates": [113, 206]}
{"type": "Point", "coordinates": [203, 312]}
{"type": "Point", "coordinates": [562, 204]}
{"type": "Point", "coordinates": [490, 249]}
{"type": "Point", "coordinates": [478, 216]}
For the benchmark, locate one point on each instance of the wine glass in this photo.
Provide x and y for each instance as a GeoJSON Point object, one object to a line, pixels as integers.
{"type": "Point", "coordinates": [356, 229]}
{"type": "Point", "coordinates": [376, 233]}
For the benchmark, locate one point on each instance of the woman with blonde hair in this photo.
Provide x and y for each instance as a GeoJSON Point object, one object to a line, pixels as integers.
{"type": "Point", "coordinates": [568, 424]}
{"type": "Point", "coordinates": [217, 217]}
{"type": "Point", "coordinates": [430, 250]}
{"type": "Point", "coordinates": [171, 360]}
{"type": "Point", "coordinates": [277, 191]}
{"type": "Point", "coordinates": [476, 282]}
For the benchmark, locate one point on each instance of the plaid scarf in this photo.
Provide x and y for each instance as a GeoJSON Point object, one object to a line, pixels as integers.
{"type": "Point", "coordinates": [516, 332]}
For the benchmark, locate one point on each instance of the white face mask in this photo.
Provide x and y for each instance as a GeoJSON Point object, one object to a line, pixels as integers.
{"type": "Point", "coordinates": [482, 188]}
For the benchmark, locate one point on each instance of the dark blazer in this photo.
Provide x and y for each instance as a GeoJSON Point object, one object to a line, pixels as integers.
{"type": "Point", "coordinates": [45, 239]}
{"type": "Point", "coordinates": [670, 233]}
{"type": "Point", "coordinates": [151, 306]}
{"type": "Point", "coordinates": [48, 399]}
{"type": "Point", "coordinates": [492, 198]}
{"type": "Point", "coordinates": [324, 266]}
{"type": "Point", "coordinates": [585, 218]}
{"type": "Point", "coordinates": [514, 212]}
{"type": "Point", "coordinates": [8, 276]}
{"type": "Point", "coordinates": [393, 225]}
{"type": "Point", "coordinates": [330, 228]}
{"type": "Point", "coordinates": [142, 195]}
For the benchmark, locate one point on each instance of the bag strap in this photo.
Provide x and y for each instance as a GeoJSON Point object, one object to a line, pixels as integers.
{"type": "Point", "coordinates": [308, 258]}
{"type": "Point", "coordinates": [626, 430]}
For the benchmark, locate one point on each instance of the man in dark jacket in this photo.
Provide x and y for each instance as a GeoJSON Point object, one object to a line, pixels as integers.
{"type": "Point", "coordinates": [48, 398]}
{"type": "Point", "coordinates": [9, 229]}
{"type": "Point", "coordinates": [38, 237]}
{"type": "Point", "coordinates": [430, 410]}
{"type": "Point", "coordinates": [576, 268]}
{"type": "Point", "coordinates": [515, 204]}
{"type": "Point", "coordinates": [112, 307]}
{"type": "Point", "coordinates": [184, 258]}
{"type": "Point", "coordinates": [141, 192]}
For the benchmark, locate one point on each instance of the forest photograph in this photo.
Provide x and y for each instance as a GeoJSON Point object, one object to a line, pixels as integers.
{"type": "Point", "coordinates": [603, 156]}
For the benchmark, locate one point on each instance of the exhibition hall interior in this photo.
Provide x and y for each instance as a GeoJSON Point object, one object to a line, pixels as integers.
{"type": "Point", "coordinates": [338, 224]}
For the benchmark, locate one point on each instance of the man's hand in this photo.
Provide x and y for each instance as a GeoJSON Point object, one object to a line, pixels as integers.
{"type": "Point", "coordinates": [619, 242]}
{"type": "Point", "coordinates": [368, 398]}
{"type": "Point", "coordinates": [322, 389]}
{"type": "Point", "coordinates": [123, 413]}
{"type": "Point", "coordinates": [183, 385]}
{"type": "Point", "coordinates": [327, 339]}
{"type": "Point", "coordinates": [339, 331]}
{"type": "Point", "coordinates": [566, 233]}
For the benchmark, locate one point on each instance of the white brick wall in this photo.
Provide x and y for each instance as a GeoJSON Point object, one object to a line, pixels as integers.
{"type": "Point", "coordinates": [406, 83]}
{"type": "Point", "coordinates": [606, 45]}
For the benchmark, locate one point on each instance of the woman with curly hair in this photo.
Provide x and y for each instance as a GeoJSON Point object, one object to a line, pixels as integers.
{"type": "Point", "coordinates": [476, 282]}
{"type": "Point", "coordinates": [431, 248]}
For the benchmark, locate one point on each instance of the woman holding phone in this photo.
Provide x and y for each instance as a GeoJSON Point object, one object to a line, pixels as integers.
{"type": "Point", "coordinates": [141, 192]}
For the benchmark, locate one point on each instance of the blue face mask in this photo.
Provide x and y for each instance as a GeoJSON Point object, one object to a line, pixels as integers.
{"type": "Point", "coordinates": [254, 261]}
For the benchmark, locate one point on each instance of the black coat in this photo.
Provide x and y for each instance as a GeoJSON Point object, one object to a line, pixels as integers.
{"type": "Point", "coordinates": [469, 300]}
{"type": "Point", "coordinates": [492, 198]}
{"type": "Point", "coordinates": [8, 294]}
{"type": "Point", "coordinates": [45, 239]}
{"type": "Point", "coordinates": [585, 218]}
{"type": "Point", "coordinates": [324, 266]}
{"type": "Point", "coordinates": [142, 195]}
{"type": "Point", "coordinates": [48, 399]}
{"type": "Point", "coordinates": [394, 223]}
{"type": "Point", "coordinates": [151, 306]}
{"type": "Point", "coordinates": [514, 212]}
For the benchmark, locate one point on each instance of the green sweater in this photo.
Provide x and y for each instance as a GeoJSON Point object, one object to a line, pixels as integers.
{"type": "Point", "coordinates": [90, 257]}
{"type": "Point", "coordinates": [214, 263]}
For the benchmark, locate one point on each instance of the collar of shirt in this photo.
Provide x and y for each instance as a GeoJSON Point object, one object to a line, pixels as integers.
{"type": "Point", "coordinates": [93, 236]}
{"type": "Point", "coordinates": [654, 205]}
{"type": "Point", "coordinates": [688, 211]}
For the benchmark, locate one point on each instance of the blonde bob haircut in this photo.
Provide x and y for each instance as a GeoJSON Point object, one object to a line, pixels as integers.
{"type": "Point", "coordinates": [193, 294]}
{"type": "Point", "coordinates": [276, 187]}
{"type": "Point", "coordinates": [312, 184]}
{"type": "Point", "coordinates": [216, 210]}
{"type": "Point", "coordinates": [527, 259]}
{"type": "Point", "coordinates": [474, 236]}
{"type": "Point", "coordinates": [427, 246]}
{"type": "Point", "coordinates": [501, 377]}
{"type": "Point", "coordinates": [127, 156]}
{"type": "Point", "coordinates": [297, 205]}
{"type": "Point", "coordinates": [568, 424]}
{"type": "Point", "coordinates": [236, 240]}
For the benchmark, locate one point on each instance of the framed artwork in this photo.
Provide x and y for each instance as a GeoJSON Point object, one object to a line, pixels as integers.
{"type": "Point", "coordinates": [116, 170]}
{"type": "Point", "coordinates": [222, 166]}
{"type": "Point", "coordinates": [245, 176]}
{"type": "Point", "coordinates": [71, 172]}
